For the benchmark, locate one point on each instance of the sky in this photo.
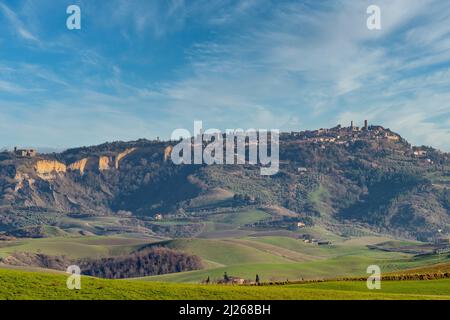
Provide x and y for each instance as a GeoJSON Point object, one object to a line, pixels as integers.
{"type": "Point", "coordinates": [141, 69]}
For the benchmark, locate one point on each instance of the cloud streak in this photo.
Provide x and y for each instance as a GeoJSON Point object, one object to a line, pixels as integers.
{"type": "Point", "coordinates": [17, 24]}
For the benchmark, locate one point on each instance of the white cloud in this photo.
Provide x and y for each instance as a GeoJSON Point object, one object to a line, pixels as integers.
{"type": "Point", "coordinates": [17, 24]}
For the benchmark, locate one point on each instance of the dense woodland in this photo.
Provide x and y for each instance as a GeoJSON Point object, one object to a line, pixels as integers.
{"type": "Point", "coordinates": [147, 262]}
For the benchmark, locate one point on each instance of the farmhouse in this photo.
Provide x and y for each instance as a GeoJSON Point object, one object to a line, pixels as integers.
{"type": "Point", "coordinates": [302, 170]}
{"type": "Point", "coordinates": [25, 152]}
{"type": "Point", "coordinates": [232, 280]}
{"type": "Point", "coordinates": [420, 153]}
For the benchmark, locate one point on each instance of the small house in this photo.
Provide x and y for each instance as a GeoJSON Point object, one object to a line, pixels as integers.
{"type": "Point", "coordinates": [420, 153]}
{"type": "Point", "coordinates": [29, 153]}
{"type": "Point", "coordinates": [302, 170]}
{"type": "Point", "coordinates": [301, 225]}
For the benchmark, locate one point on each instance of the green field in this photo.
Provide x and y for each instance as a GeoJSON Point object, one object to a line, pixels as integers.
{"type": "Point", "coordinates": [77, 247]}
{"type": "Point", "coordinates": [226, 245]}
{"type": "Point", "coordinates": [46, 286]}
{"type": "Point", "coordinates": [282, 258]}
{"type": "Point", "coordinates": [273, 258]}
{"type": "Point", "coordinates": [240, 218]}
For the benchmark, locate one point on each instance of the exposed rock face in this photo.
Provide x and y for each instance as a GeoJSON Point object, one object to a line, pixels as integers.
{"type": "Point", "coordinates": [49, 166]}
{"type": "Point", "coordinates": [79, 165]}
{"type": "Point", "coordinates": [23, 180]}
{"type": "Point", "coordinates": [104, 163]}
{"type": "Point", "coordinates": [167, 153]}
{"type": "Point", "coordinates": [91, 164]}
{"type": "Point", "coordinates": [46, 169]}
{"type": "Point", "coordinates": [100, 163]}
{"type": "Point", "coordinates": [122, 155]}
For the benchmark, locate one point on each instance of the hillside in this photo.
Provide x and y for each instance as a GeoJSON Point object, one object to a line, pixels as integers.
{"type": "Point", "coordinates": [368, 179]}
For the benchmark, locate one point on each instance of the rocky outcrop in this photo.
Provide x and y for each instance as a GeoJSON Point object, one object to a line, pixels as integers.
{"type": "Point", "coordinates": [104, 163]}
{"type": "Point", "coordinates": [167, 153]}
{"type": "Point", "coordinates": [100, 163]}
{"type": "Point", "coordinates": [49, 166]}
{"type": "Point", "coordinates": [22, 180]}
{"type": "Point", "coordinates": [122, 155]}
{"type": "Point", "coordinates": [79, 165]}
{"type": "Point", "coordinates": [46, 169]}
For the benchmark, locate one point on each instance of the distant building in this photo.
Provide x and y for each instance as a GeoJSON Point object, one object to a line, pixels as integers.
{"type": "Point", "coordinates": [159, 217]}
{"type": "Point", "coordinates": [353, 127]}
{"type": "Point", "coordinates": [301, 225]}
{"type": "Point", "coordinates": [232, 280]}
{"type": "Point", "coordinates": [391, 137]}
{"type": "Point", "coordinates": [25, 152]}
{"type": "Point", "coordinates": [323, 243]}
{"type": "Point", "coordinates": [420, 153]}
{"type": "Point", "coordinates": [302, 170]}
{"type": "Point", "coordinates": [237, 280]}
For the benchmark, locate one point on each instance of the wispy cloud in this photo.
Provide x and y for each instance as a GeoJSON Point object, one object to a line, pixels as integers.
{"type": "Point", "coordinates": [17, 24]}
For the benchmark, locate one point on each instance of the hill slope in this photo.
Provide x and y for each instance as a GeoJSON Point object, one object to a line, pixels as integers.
{"type": "Point", "coordinates": [329, 177]}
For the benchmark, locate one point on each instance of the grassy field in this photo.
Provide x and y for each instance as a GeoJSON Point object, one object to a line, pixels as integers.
{"type": "Point", "coordinates": [340, 267]}
{"type": "Point", "coordinates": [241, 253]}
{"type": "Point", "coordinates": [273, 258]}
{"type": "Point", "coordinates": [240, 218]}
{"type": "Point", "coordinates": [47, 286]}
{"type": "Point", "coordinates": [77, 247]}
{"type": "Point", "coordinates": [281, 258]}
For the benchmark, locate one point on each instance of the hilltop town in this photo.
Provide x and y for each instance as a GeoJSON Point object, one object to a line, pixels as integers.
{"type": "Point", "coordinates": [343, 135]}
{"type": "Point", "coordinates": [367, 176]}
{"type": "Point", "coordinates": [339, 135]}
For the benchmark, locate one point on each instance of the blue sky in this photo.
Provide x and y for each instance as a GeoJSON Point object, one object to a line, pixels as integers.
{"type": "Point", "coordinates": [140, 69]}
